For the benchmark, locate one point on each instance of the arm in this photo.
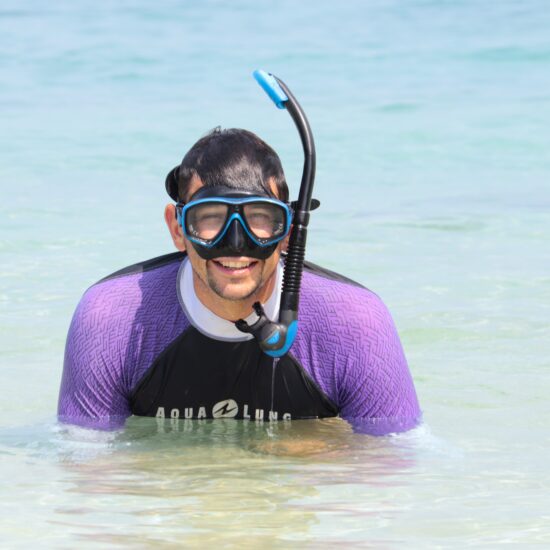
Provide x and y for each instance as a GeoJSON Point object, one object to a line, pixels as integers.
{"type": "Point", "coordinates": [376, 390]}
{"type": "Point", "coordinates": [92, 391]}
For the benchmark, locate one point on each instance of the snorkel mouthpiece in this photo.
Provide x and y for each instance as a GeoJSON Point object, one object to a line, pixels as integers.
{"type": "Point", "coordinates": [276, 338]}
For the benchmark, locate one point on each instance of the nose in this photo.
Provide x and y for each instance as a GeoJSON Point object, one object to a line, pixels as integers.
{"type": "Point", "coordinates": [236, 238]}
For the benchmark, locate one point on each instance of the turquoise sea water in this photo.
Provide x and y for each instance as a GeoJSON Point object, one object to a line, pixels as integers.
{"type": "Point", "coordinates": [432, 123]}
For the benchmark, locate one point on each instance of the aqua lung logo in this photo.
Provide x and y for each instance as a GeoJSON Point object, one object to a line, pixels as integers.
{"type": "Point", "coordinates": [228, 408]}
{"type": "Point", "coordinates": [225, 409]}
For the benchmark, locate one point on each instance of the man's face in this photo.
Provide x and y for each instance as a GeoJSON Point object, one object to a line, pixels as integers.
{"type": "Point", "coordinates": [230, 278]}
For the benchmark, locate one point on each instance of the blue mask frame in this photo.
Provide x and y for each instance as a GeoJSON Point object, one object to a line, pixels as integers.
{"type": "Point", "coordinates": [234, 213]}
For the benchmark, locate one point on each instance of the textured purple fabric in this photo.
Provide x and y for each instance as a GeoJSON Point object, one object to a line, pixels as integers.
{"type": "Point", "coordinates": [118, 329]}
{"type": "Point", "coordinates": [346, 341]}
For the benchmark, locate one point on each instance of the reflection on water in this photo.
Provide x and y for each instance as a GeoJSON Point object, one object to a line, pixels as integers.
{"type": "Point", "coordinates": [226, 482]}
{"type": "Point", "coordinates": [199, 482]}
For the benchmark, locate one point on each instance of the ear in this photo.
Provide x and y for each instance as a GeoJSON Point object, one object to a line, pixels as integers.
{"type": "Point", "coordinates": [174, 227]}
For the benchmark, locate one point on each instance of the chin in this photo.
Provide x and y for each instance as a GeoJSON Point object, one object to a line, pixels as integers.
{"type": "Point", "coordinates": [237, 295]}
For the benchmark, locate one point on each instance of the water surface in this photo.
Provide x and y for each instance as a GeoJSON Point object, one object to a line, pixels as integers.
{"type": "Point", "coordinates": [432, 123]}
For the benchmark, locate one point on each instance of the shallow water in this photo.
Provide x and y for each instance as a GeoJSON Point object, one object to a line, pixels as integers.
{"type": "Point", "coordinates": [432, 123]}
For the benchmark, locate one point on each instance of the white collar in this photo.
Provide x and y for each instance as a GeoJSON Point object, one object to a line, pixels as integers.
{"type": "Point", "coordinates": [209, 323]}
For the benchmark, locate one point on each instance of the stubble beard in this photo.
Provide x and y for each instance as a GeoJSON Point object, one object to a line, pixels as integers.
{"type": "Point", "coordinates": [220, 291]}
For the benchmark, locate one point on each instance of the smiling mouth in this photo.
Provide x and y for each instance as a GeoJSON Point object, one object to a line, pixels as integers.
{"type": "Point", "coordinates": [235, 266]}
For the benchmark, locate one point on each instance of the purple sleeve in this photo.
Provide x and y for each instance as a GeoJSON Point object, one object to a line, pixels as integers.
{"type": "Point", "coordinates": [119, 328]}
{"type": "Point", "coordinates": [355, 355]}
{"type": "Point", "coordinates": [93, 385]}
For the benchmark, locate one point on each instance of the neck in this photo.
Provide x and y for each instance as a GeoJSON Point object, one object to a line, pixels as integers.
{"type": "Point", "coordinates": [232, 310]}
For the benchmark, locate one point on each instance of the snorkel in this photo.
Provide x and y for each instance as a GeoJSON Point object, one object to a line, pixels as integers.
{"type": "Point", "coordinates": [276, 337]}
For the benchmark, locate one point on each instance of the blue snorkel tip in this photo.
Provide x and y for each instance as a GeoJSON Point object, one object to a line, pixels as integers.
{"type": "Point", "coordinates": [271, 87]}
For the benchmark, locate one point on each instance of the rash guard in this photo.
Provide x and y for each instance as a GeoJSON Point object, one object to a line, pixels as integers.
{"type": "Point", "coordinates": [140, 342]}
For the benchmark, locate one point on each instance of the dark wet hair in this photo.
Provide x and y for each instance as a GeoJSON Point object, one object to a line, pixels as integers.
{"type": "Point", "coordinates": [233, 158]}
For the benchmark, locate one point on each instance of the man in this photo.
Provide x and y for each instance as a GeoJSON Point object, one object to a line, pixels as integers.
{"type": "Point", "coordinates": [159, 338]}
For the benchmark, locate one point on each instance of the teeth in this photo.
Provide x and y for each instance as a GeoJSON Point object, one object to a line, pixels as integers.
{"type": "Point", "coordinates": [236, 265]}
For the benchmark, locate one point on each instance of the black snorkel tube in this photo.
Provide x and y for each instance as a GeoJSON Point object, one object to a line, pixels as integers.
{"type": "Point", "coordinates": [276, 338]}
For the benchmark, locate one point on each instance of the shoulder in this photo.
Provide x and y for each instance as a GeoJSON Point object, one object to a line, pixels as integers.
{"type": "Point", "coordinates": [341, 322]}
{"type": "Point", "coordinates": [131, 291]}
{"type": "Point", "coordinates": [334, 300]}
{"type": "Point", "coordinates": [343, 325]}
{"type": "Point", "coordinates": [120, 325]}
{"type": "Point", "coordinates": [160, 265]}
{"type": "Point", "coordinates": [350, 343]}
{"type": "Point", "coordinates": [119, 310]}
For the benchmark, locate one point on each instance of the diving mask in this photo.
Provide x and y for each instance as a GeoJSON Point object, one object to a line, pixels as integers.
{"type": "Point", "coordinates": [221, 221]}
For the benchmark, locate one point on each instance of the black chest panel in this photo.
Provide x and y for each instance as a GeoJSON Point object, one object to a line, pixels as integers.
{"type": "Point", "coordinates": [199, 377]}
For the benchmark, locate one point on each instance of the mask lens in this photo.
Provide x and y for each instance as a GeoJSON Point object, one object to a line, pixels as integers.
{"type": "Point", "coordinates": [265, 220]}
{"type": "Point", "coordinates": [206, 221]}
